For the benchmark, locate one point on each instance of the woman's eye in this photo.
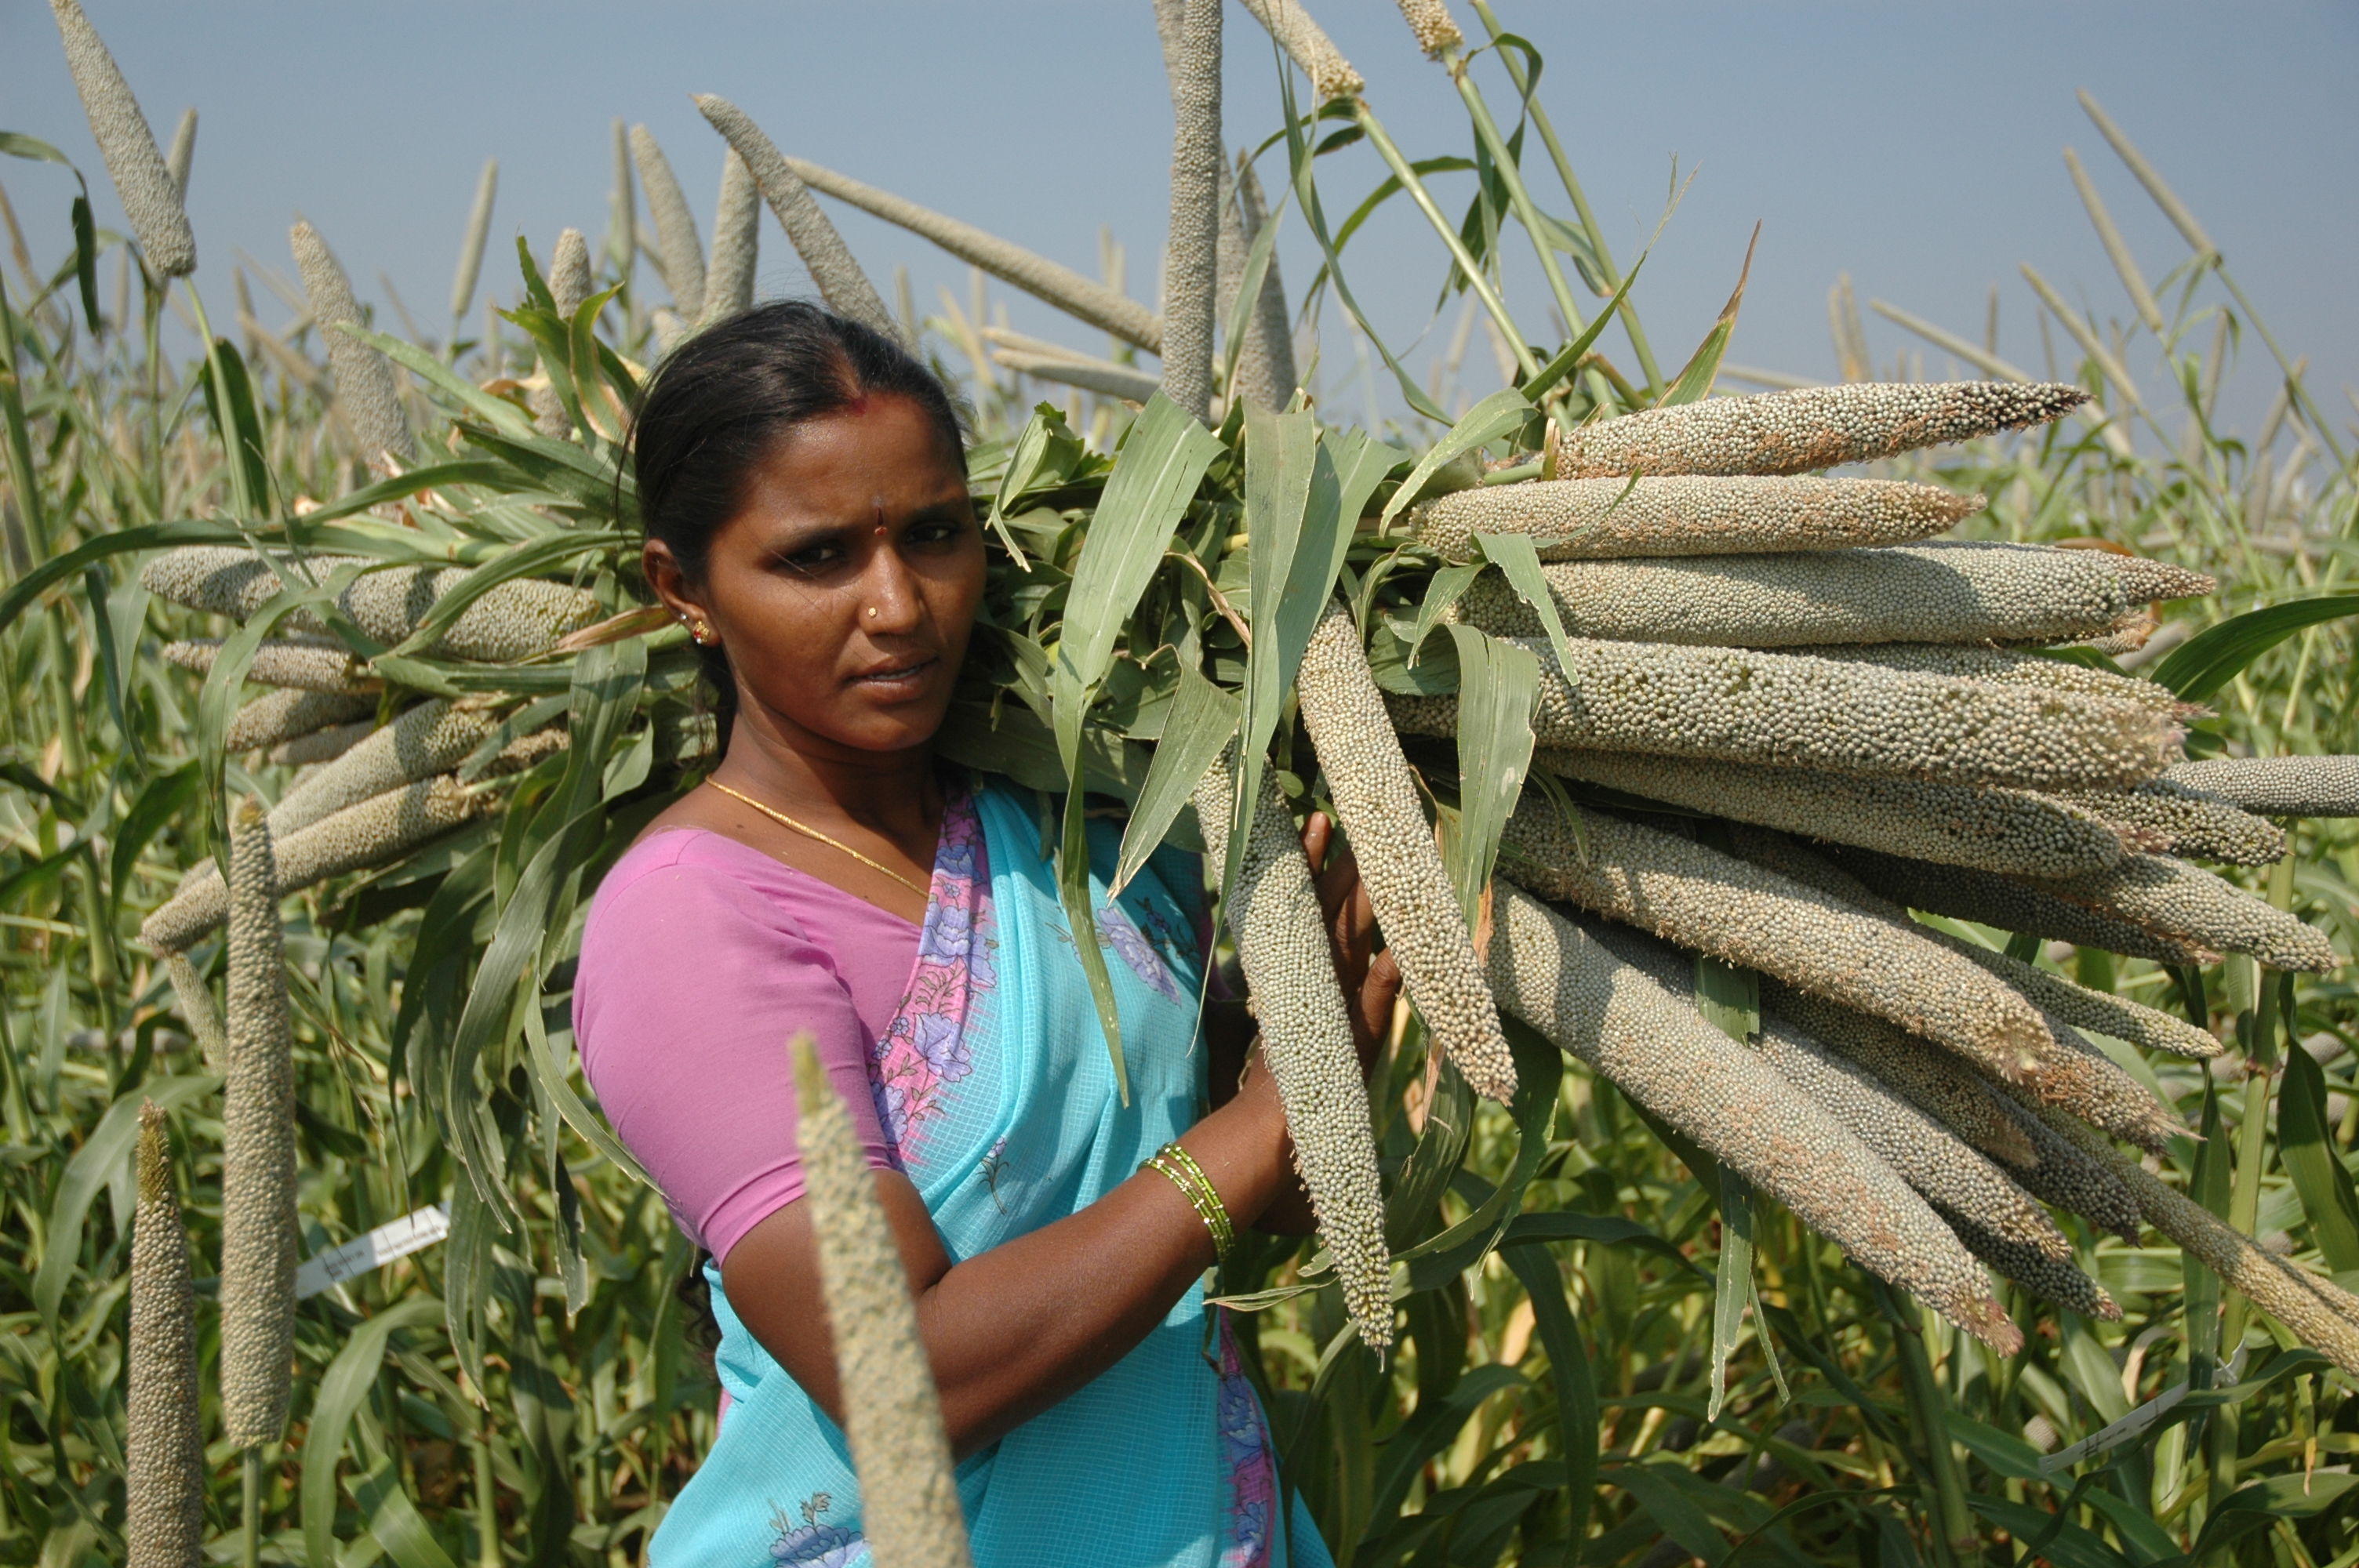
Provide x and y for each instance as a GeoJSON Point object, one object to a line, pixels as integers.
{"type": "Point", "coordinates": [814, 557]}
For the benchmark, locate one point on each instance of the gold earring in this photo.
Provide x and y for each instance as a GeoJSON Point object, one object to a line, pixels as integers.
{"type": "Point", "coordinates": [701, 631]}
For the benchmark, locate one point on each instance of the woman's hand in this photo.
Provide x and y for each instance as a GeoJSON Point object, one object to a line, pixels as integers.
{"type": "Point", "coordinates": [1371, 984]}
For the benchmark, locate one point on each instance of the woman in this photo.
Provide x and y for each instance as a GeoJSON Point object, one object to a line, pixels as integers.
{"type": "Point", "coordinates": [804, 490]}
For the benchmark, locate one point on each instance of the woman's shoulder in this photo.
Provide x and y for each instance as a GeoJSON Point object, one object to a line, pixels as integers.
{"type": "Point", "coordinates": [677, 870]}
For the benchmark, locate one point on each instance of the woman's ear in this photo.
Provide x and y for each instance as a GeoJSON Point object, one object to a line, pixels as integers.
{"type": "Point", "coordinates": [669, 583]}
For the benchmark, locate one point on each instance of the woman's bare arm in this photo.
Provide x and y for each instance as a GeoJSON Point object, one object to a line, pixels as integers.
{"type": "Point", "coordinates": [1012, 1330]}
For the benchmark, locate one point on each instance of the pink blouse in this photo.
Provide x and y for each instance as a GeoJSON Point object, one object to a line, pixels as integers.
{"type": "Point", "coordinates": [701, 959]}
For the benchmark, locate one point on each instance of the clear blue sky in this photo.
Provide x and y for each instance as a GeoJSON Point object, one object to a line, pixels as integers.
{"type": "Point", "coordinates": [1916, 146]}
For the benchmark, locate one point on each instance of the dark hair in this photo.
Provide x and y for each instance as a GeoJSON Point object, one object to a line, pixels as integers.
{"type": "Point", "coordinates": [721, 400]}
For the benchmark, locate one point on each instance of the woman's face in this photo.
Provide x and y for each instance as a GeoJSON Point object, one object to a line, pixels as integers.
{"type": "Point", "coordinates": [844, 589]}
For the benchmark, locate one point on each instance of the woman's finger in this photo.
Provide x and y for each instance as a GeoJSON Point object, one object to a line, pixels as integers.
{"type": "Point", "coordinates": [1317, 834]}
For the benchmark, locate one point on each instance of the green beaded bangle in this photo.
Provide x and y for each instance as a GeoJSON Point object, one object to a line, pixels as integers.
{"type": "Point", "coordinates": [1182, 1170]}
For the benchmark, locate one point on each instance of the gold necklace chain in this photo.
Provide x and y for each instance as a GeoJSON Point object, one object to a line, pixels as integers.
{"type": "Point", "coordinates": [810, 832]}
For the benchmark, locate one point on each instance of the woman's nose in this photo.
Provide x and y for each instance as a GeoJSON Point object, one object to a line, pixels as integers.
{"type": "Point", "coordinates": [890, 600]}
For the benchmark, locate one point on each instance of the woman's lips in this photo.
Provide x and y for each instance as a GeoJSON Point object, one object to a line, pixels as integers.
{"type": "Point", "coordinates": [896, 679]}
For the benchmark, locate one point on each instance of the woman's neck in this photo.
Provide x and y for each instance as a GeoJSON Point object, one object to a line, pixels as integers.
{"type": "Point", "coordinates": [895, 793]}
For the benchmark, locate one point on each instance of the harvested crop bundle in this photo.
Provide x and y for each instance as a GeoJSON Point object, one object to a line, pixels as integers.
{"type": "Point", "coordinates": [2060, 998]}
{"type": "Point", "coordinates": [909, 1510]}
{"type": "Point", "coordinates": [508, 623]}
{"type": "Point", "coordinates": [1954, 1175]}
{"type": "Point", "coordinates": [834, 270]}
{"type": "Point", "coordinates": [2322, 1313]}
{"type": "Point", "coordinates": [2149, 1029]}
{"type": "Point", "coordinates": [1742, 706]}
{"type": "Point", "coordinates": [370, 834]}
{"type": "Point", "coordinates": [258, 1220]}
{"type": "Point", "coordinates": [1810, 428]}
{"type": "Point", "coordinates": [676, 239]}
{"type": "Point", "coordinates": [164, 1438]}
{"type": "Point", "coordinates": [365, 390]}
{"type": "Point", "coordinates": [1568, 985]}
{"type": "Point", "coordinates": [2068, 1174]}
{"type": "Point", "coordinates": [196, 1000]}
{"type": "Point", "coordinates": [2083, 1081]}
{"type": "Point", "coordinates": [302, 664]}
{"type": "Point", "coordinates": [1306, 1038]}
{"type": "Point", "coordinates": [2177, 818]}
{"type": "Point", "coordinates": [1192, 250]}
{"type": "Point", "coordinates": [1401, 867]}
{"type": "Point", "coordinates": [1715, 903]}
{"type": "Point", "coordinates": [2197, 910]}
{"type": "Point", "coordinates": [1954, 1095]}
{"type": "Point", "coordinates": [1996, 829]}
{"type": "Point", "coordinates": [736, 243]}
{"type": "Point", "coordinates": [283, 715]}
{"type": "Point", "coordinates": [321, 745]}
{"type": "Point", "coordinates": [1940, 591]}
{"type": "Point", "coordinates": [1604, 519]}
{"type": "Point", "coordinates": [143, 181]}
{"type": "Point", "coordinates": [2010, 906]}
{"type": "Point", "coordinates": [1036, 275]}
{"type": "Point", "coordinates": [2279, 786]}
{"type": "Point", "coordinates": [2052, 1280]}
{"type": "Point", "coordinates": [1265, 377]}
{"type": "Point", "coordinates": [2007, 665]}
{"type": "Point", "coordinates": [431, 737]}
{"type": "Point", "coordinates": [1927, 1155]}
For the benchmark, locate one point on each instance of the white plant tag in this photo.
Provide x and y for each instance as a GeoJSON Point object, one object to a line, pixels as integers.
{"type": "Point", "coordinates": [397, 1238]}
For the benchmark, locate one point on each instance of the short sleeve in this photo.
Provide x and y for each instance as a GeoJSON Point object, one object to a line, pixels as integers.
{"type": "Point", "coordinates": [691, 983]}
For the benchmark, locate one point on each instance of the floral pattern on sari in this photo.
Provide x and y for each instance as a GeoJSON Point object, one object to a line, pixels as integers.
{"type": "Point", "coordinates": [1246, 1460]}
{"type": "Point", "coordinates": [813, 1543]}
{"type": "Point", "coordinates": [927, 1047]}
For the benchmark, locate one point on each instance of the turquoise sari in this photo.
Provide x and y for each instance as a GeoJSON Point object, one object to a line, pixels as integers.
{"type": "Point", "coordinates": [994, 1089]}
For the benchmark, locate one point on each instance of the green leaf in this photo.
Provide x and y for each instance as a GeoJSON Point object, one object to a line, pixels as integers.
{"type": "Point", "coordinates": [2217, 654]}
{"type": "Point", "coordinates": [2306, 1144]}
{"type": "Point", "coordinates": [29, 588]}
{"type": "Point", "coordinates": [1504, 410]}
{"type": "Point", "coordinates": [1162, 460]}
{"type": "Point", "coordinates": [1306, 198]}
{"type": "Point", "coordinates": [93, 1166]}
{"type": "Point", "coordinates": [1569, 1376]}
{"type": "Point", "coordinates": [2207, 1184]}
{"type": "Point", "coordinates": [1498, 685]}
{"type": "Point", "coordinates": [2048, 1536]}
{"type": "Point", "coordinates": [1729, 998]}
{"type": "Point", "coordinates": [1669, 1505]}
{"type": "Point", "coordinates": [342, 1389]}
{"type": "Point", "coordinates": [1567, 359]}
{"type": "Point", "coordinates": [1731, 1288]}
{"type": "Point", "coordinates": [85, 234]}
{"type": "Point", "coordinates": [537, 557]}
{"type": "Point", "coordinates": [159, 800]}
{"type": "Point", "coordinates": [503, 415]}
{"type": "Point", "coordinates": [1202, 721]}
{"type": "Point", "coordinates": [1046, 450]}
{"type": "Point", "coordinates": [1443, 589]}
{"type": "Point", "coordinates": [1520, 561]}
{"type": "Point", "coordinates": [16, 144]}
{"type": "Point", "coordinates": [229, 398]}
{"type": "Point", "coordinates": [2257, 1506]}
{"type": "Point", "coordinates": [1695, 379]}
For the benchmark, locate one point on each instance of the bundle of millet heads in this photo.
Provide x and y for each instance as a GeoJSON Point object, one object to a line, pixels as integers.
{"type": "Point", "coordinates": [379, 781]}
{"type": "Point", "coordinates": [1783, 717]}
